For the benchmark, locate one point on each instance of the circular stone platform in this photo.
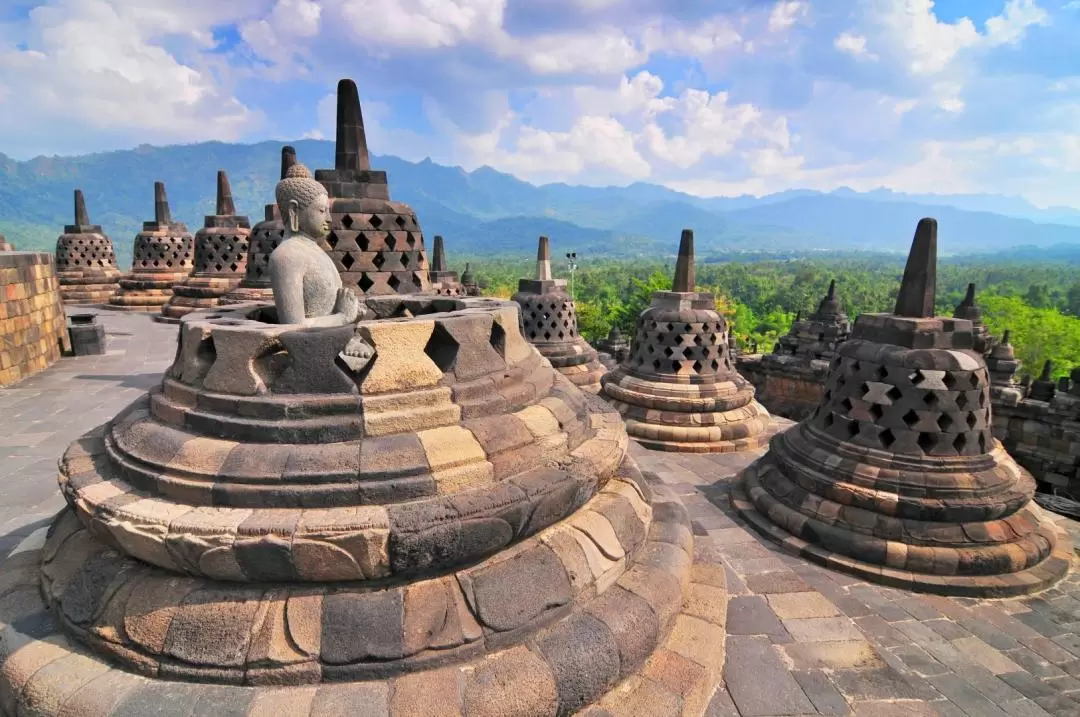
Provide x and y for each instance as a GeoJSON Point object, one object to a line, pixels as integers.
{"type": "Point", "coordinates": [283, 519]}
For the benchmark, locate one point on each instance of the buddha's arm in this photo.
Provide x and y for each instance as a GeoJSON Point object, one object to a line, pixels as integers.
{"type": "Point", "coordinates": [287, 280]}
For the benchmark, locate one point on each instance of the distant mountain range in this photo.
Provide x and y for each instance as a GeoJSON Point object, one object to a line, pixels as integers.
{"type": "Point", "coordinates": [486, 212]}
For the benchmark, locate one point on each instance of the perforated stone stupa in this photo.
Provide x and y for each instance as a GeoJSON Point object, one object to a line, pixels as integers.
{"type": "Point", "coordinates": [549, 318]}
{"type": "Point", "coordinates": [968, 309]}
{"type": "Point", "coordinates": [817, 337]}
{"type": "Point", "coordinates": [274, 530]}
{"type": "Point", "coordinates": [896, 477]}
{"type": "Point", "coordinates": [679, 390]}
{"type": "Point", "coordinates": [221, 255]}
{"type": "Point", "coordinates": [164, 257]}
{"type": "Point", "coordinates": [264, 238]}
{"type": "Point", "coordinates": [443, 281]}
{"type": "Point", "coordinates": [85, 260]}
{"type": "Point", "coordinates": [376, 243]}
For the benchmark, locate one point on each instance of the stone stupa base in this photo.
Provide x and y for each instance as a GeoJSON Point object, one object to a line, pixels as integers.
{"type": "Point", "coordinates": [246, 294]}
{"type": "Point", "coordinates": [1024, 582]}
{"type": "Point", "coordinates": [195, 294]}
{"type": "Point", "coordinates": [143, 293]}
{"type": "Point", "coordinates": [688, 418]}
{"type": "Point", "coordinates": [963, 545]}
{"type": "Point", "coordinates": [577, 361]}
{"type": "Point", "coordinates": [86, 288]}
{"type": "Point", "coordinates": [638, 629]}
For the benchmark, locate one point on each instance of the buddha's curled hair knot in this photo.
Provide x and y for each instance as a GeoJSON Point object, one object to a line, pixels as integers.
{"type": "Point", "coordinates": [298, 186]}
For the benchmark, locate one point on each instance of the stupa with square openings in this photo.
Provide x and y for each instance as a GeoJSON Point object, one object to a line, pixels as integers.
{"type": "Point", "coordinates": [549, 318]}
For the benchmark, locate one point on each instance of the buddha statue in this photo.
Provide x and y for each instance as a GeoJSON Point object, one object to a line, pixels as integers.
{"type": "Point", "coordinates": [306, 284]}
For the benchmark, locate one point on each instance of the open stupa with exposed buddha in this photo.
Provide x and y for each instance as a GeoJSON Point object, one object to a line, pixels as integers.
{"type": "Point", "coordinates": [337, 504]}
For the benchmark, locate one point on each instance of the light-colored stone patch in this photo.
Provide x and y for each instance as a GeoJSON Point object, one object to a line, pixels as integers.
{"type": "Point", "coordinates": [400, 363]}
{"type": "Point", "coordinates": [789, 606]}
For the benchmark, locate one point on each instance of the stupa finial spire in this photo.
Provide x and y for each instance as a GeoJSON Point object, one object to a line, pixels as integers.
{"type": "Point", "coordinates": [438, 255]}
{"type": "Point", "coordinates": [832, 290]}
{"type": "Point", "coordinates": [288, 159]}
{"type": "Point", "coordinates": [82, 217]}
{"type": "Point", "coordinates": [225, 205]}
{"type": "Point", "coordinates": [684, 265]}
{"type": "Point", "coordinates": [162, 215]}
{"type": "Point", "coordinates": [919, 285]}
{"type": "Point", "coordinates": [351, 150]}
{"type": "Point", "coordinates": [543, 260]}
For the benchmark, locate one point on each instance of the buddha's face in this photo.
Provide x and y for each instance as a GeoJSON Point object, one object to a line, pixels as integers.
{"type": "Point", "coordinates": [313, 219]}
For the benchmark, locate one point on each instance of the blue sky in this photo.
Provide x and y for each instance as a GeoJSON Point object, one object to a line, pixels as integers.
{"type": "Point", "coordinates": [707, 96]}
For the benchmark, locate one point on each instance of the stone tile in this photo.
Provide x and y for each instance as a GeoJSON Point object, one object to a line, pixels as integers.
{"type": "Point", "coordinates": [1028, 685]}
{"type": "Point", "coordinates": [883, 683]}
{"type": "Point", "coordinates": [826, 698]}
{"type": "Point", "coordinates": [801, 605]}
{"type": "Point", "coordinates": [758, 681]}
{"type": "Point", "coordinates": [822, 629]}
{"type": "Point", "coordinates": [751, 615]}
{"type": "Point", "coordinates": [731, 536]}
{"type": "Point", "coordinates": [947, 629]}
{"type": "Point", "coordinates": [1024, 708]}
{"type": "Point", "coordinates": [780, 581]}
{"type": "Point", "coordinates": [721, 705]}
{"type": "Point", "coordinates": [894, 709]}
{"type": "Point", "coordinates": [985, 655]}
{"type": "Point", "coordinates": [832, 655]}
{"type": "Point", "coordinates": [964, 696]}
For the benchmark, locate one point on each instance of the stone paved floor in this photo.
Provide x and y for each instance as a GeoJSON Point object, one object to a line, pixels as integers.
{"type": "Point", "coordinates": [802, 640]}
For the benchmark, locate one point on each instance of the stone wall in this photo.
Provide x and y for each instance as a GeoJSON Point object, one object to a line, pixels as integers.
{"type": "Point", "coordinates": [787, 388]}
{"type": "Point", "coordinates": [33, 328]}
{"type": "Point", "coordinates": [1044, 439]}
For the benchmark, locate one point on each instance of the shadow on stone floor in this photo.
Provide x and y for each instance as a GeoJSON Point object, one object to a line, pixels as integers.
{"type": "Point", "coordinates": [138, 380]}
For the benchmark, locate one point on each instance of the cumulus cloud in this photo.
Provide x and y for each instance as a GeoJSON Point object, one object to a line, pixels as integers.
{"type": "Point", "coordinates": [709, 96]}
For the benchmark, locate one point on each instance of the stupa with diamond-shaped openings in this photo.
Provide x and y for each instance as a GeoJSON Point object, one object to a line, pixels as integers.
{"type": "Point", "coordinates": [549, 318]}
{"type": "Point", "coordinates": [376, 243]}
{"type": "Point", "coordinates": [164, 257]}
{"type": "Point", "coordinates": [896, 477]}
{"type": "Point", "coordinates": [221, 254]}
{"type": "Point", "coordinates": [679, 390]}
{"type": "Point", "coordinates": [85, 260]}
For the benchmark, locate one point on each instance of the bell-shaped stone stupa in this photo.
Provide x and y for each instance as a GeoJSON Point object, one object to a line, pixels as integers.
{"type": "Point", "coordinates": [443, 281]}
{"type": "Point", "coordinates": [896, 477]}
{"type": "Point", "coordinates": [221, 254]}
{"type": "Point", "coordinates": [85, 260]}
{"type": "Point", "coordinates": [550, 322]}
{"type": "Point", "coordinates": [164, 257]}
{"type": "Point", "coordinates": [468, 281]}
{"type": "Point", "coordinates": [375, 243]}
{"type": "Point", "coordinates": [264, 238]}
{"type": "Point", "coordinates": [818, 336]}
{"type": "Point", "coordinates": [679, 390]}
{"type": "Point", "coordinates": [1003, 365]}
{"type": "Point", "coordinates": [5, 245]}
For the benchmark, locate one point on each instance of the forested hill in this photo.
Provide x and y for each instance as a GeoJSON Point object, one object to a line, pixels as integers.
{"type": "Point", "coordinates": [486, 212]}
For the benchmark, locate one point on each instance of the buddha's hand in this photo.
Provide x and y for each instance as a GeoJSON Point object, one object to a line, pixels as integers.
{"type": "Point", "coordinates": [347, 304]}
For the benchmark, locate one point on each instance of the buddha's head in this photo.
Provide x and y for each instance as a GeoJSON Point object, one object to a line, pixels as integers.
{"type": "Point", "coordinates": [304, 203]}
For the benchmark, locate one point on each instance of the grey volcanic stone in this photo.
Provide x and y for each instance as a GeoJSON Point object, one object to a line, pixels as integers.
{"type": "Point", "coordinates": [514, 592]}
{"type": "Point", "coordinates": [358, 626]}
{"type": "Point", "coordinates": [584, 656]}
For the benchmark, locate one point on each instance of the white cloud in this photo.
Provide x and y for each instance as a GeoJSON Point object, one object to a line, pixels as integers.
{"type": "Point", "coordinates": [421, 24]}
{"type": "Point", "coordinates": [854, 45]}
{"type": "Point", "coordinates": [103, 65]}
{"type": "Point", "coordinates": [786, 13]}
